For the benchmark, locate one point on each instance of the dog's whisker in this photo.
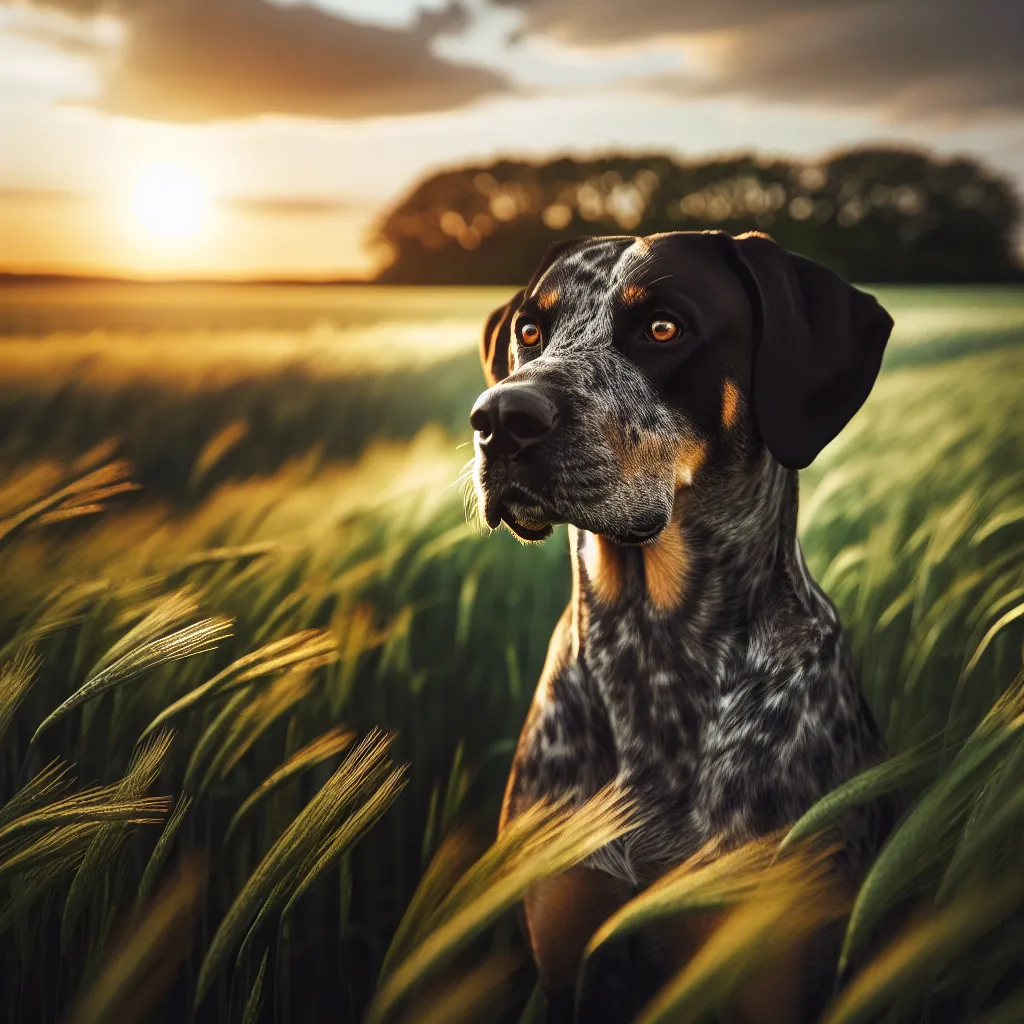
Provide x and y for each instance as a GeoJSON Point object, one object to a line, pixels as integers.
{"type": "Point", "coordinates": [462, 478]}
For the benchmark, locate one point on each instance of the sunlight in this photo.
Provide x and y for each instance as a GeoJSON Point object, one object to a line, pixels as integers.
{"type": "Point", "coordinates": [170, 203]}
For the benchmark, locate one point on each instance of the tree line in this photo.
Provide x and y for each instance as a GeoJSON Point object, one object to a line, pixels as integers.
{"type": "Point", "coordinates": [873, 214]}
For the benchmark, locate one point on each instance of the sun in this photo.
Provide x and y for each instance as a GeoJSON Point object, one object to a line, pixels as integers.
{"type": "Point", "coordinates": [170, 203]}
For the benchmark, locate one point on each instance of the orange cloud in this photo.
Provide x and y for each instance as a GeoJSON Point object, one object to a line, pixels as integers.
{"type": "Point", "coordinates": [204, 60]}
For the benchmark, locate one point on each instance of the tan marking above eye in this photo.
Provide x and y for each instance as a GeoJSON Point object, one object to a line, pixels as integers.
{"type": "Point", "coordinates": [529, 333]}
{"type": "Point", "coordinates": [661, 329]}
{"type": "Point", "coordinates": [548, 298]}
{"type": "Point", "coordinates": [633, 294]}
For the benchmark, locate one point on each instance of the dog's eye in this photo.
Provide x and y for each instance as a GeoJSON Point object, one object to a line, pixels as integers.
{"type": "Point", "coordinates": [529, 333]}
{"type": "Point", "coordinates": [661, 329]}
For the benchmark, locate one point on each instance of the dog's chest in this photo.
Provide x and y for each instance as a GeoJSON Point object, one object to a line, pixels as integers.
{"type": "Point", "coordinates": [726, 736]}
{"type": "Point", "coordinates": [657, 702]}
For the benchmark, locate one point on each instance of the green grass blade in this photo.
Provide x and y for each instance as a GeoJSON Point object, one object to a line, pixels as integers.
{"type": "Point", "coordinates": [268, 706]}
{"type": "Point", "coordinates": [58, 843]}
{"type": "Point", "coordinates": [1001, 623]}
{"type": "Point", "coordinates": [142, 773]}
{"type": "Point", "coordinates": [196, 639]}
{"type": "Point", "coordinates": [323, 747]}
{"type": "Point", "coordinates": [16, 679]}
{"type": "Point", "coordinates": [211, 735]}
{"type": "Point", "coordinates": [90, 805]}
{"type": "Point", "coordinates": [533, 1012]}
{"type": "Point", "coordinates": [920, 839]}
{"type": "Point", "coordinates": [349, 833]}
{"type": "Point", "coordinates": [908, 966]}
{"type": "Point", "coordinates": [312, 647]}
{"type": "Point", "coordinates": [968, 856]}
{"type": "Point", "coordinates": [862, 789]}
{"type": "Point", "coordinates": [54, 779]}
{"type": "Point", "coordinates": [451, 860]}
{"type": "Point", "coordinates": [254, 1003]}
{"type": "Point", "coordinates": [163, 847]}
{"type": "Point", "coordinates": [291, 849]}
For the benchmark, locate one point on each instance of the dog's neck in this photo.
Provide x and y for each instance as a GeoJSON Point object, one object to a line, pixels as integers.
{"type": "Point", "coordinates": [675, 636]}
{"type": "Point", "coordinates": [730, 546]}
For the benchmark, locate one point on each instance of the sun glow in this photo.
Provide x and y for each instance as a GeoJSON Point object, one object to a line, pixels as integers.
{"type": "Point", "coordinates": [170, 203]}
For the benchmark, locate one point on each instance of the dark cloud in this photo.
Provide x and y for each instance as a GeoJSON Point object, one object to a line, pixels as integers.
{"type": "Point", "coordinates": [201, 60]}
{"type": "Point", "coordinates": [923, 57]}
{"type": "Point", "coordinates": [609, 21]}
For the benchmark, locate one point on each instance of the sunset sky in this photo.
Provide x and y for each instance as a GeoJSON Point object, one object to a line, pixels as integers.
{"type": "Point", "coordinates": [245, 137]}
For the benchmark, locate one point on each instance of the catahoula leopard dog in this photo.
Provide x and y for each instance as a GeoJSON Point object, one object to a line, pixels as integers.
{"type": "Point", "coordinates": [658, 395]}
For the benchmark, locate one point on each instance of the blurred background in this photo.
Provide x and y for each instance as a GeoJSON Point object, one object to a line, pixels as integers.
{"type": "Point", "coordinates": [247, 249]}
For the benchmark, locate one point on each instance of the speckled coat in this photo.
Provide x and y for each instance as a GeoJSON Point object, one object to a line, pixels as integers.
{"type": "Point", "coordinates": [698, 663]}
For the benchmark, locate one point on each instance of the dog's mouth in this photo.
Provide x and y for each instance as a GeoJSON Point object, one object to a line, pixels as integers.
{"type": "Point", "coordinates": [527, 531]}
{"type": "Point", "coordinates": [522, 512]}
{"type": "Point", "coordinates": [641, 534]}
{"type": "Point", "coordinates": [530, 519]}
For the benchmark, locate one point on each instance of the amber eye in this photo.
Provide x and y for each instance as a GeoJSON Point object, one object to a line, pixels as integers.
{"type": "Point", "coordinates": [660, 329]}
{"type": "Point", "coordinates": [529, 333]}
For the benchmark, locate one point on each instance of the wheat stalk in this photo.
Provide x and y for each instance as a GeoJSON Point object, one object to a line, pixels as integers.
{"type": "Point", "coordinates": [330, 743]}
{"type": "Point", "coordinates": [316, 820]}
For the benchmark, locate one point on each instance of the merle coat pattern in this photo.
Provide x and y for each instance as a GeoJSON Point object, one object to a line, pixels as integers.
{"type": "Point", "coordinates": [658, 395]}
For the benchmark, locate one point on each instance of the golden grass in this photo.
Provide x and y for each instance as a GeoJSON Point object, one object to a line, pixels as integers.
{"type": "Point", "coordinates": [143, 965]}
{"type": "Point", "coordinates": [312, 833]}
{"type": "Point", "coordinates": [398, 613]}
{"type": "Point", "coordinates": [334, 741]}
{"type": "Point", "coordinates": [791, 901]}
{"type": "Point", "coordinates": [541, 842]}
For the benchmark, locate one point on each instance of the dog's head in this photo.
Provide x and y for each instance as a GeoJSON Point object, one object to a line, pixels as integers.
{"type": "Point", "coordinates": [628, 367]}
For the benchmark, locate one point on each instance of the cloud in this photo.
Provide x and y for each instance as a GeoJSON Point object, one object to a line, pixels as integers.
{"type": "Point", "coordinates": [67, 36]}
{"type": "Point", "coordinates": [204, 60]}
{"type": "Point", "coordinates": [611, 21]}
{"type": "Point", "coordinates": [289, 206]}
{"type": "Point", "coordinates": [18, 194]}
{"type": "Point", "coordinates": [922, 57]}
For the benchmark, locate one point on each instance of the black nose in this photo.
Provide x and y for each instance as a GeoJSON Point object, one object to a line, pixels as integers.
{"type": "Point", "coordinates": [511, 419]}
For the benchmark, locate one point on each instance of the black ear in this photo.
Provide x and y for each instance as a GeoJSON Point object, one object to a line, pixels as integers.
{"type": "Point", "coordinates": [496, 339]}
{"type": "Point", "coordinates": [498, 333]}
{"type": "Point", "coordinates": [818, 348]}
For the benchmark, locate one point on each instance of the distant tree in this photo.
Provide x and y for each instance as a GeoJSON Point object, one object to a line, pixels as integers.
{"type": "Point", "coordinates": [872, 214]}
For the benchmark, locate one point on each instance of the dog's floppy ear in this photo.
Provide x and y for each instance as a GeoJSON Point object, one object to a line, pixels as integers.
{"type": "Point", "coordinates": [498, 332]}
{"type": "Point", "coordinates": [818, 348]}
{"type": "Point", "coordinates": [496, 339]}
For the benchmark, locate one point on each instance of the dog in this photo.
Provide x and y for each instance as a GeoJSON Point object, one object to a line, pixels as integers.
{"type": "Point", "coordinates": [658, 395]}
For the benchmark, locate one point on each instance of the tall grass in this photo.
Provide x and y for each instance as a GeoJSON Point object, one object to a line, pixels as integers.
{"type": "Point", "coordinates": [309, 626]}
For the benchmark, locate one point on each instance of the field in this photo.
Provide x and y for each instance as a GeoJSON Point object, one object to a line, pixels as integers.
{"type": "Point", "coordinates": [231, 523]}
